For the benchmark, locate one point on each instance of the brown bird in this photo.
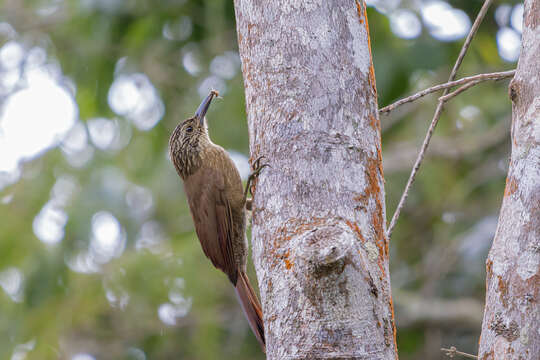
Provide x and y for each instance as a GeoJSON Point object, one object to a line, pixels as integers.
{"type": "Point", "coordinates": [218, 205]}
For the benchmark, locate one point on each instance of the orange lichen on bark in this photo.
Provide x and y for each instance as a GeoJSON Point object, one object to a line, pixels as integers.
{"type": "Point", "coordinates": [290, 229]}
{"type": "Point", "coordinates": [354, 227]}
{"type": "Point", "coordinates": [373, 169]}
{"type": "Point", "coordinates": [374, 166]}
{"type": "Point", "coordinates": [288, 263]}
{"type": "Point", "coordinates": [373, 122]}
{"type": "Point", "coordinates": [298, 227]}
{"type": "Point", "coordinates": [380, 263]}
{"type": "Point", "coordinates": [250, 26]}
{"type": "Point", "coordinates": [362, 15]}
{"type": "Point", "coordinates": [377, 220]}
{"type": "Point", "coordinates": [511, 186]}
{"type": "Point", "coordinates": [379, 157]}
{"type": "Point", "coordinates": [372, 76]}
{"type": "Point", "coordinates": [373, 189]}
{"type": "Point", "coordinates": [360, 198]}
{"type": "Point", "coordinates": [489, 272]}
{"type": "Point", "coordinates": [488, 356]}
{"type": "Point", "coordinates": [247, 69]}
{"type": "Point", "coordinates": [489, 267]}
{"type": "Point", "coordinates": [295, 227]}
{"type": "Point", "coordinates": [391, 303]}
{"type": "Point", "coordinates": [503, 290]}
{"type": "Point", "coordinates": [372, 175]}
{"type": "Point", "coordinates": [359, 11]}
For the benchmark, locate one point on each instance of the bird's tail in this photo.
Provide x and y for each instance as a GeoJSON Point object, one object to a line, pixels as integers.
{"type": "Point", "coordinates": [251, 306]}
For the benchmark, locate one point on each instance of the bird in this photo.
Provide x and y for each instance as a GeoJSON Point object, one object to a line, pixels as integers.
{"type": "Point", "coordinates": [217, 203]}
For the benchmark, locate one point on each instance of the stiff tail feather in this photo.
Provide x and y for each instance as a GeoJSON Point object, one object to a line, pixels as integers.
{"type": "Point", "coordinates": [251, 306]}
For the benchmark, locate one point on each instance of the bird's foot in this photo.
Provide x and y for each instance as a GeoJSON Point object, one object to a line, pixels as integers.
{"type": "Point", "coordinates": [257, 168]}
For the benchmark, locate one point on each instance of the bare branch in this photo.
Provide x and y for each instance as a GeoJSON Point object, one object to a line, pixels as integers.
{"type": "Point", "coordinates": [436, 116]}
{"type": "Point", "coordinates": [476, 79]}
{"type": "Point", "coordinates": [447, 97]}
{"type": "Point", "coordinates": [504, 75]}
{"type": "Point", "coordinates": [453, 352]}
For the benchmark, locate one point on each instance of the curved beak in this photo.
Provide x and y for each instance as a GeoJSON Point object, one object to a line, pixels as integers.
{"type": "Point", "coordinates": [203, 108]}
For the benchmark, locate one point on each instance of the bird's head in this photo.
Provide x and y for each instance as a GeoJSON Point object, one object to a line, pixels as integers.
{"type": "Point", "coordinates": [189, 138]}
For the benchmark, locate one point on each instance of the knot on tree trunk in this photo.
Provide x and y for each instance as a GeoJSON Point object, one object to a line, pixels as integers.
{"type": "Point", "coordinates": [324, 248]}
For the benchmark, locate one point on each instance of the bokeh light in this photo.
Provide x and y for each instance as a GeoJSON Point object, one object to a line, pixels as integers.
{"type": "Point", "coordinates": [102, 132]}
{"type": "Point", "coordinates": [509, 44]}
{"type": "Point", "coordinates": [212, 82]}
{"type": "Point", "coordinates": [139, 201]}
{"type": "Point", "coordinates": [11, 281]}
{"type": "Point", "coordinates": [405, 24]}
{"type": "Point", "coordinates": [49, 223]}
{"type": "Point", "coordinates": [135, 97]}
{"type": "Point", "coordinates": [82, 356]}
{"type": "Point", "coordinates": [136, 354]}
{"type": "Point", "coordinates": [225, 66]}
{"type": "Point", "coordinates": [28, 131]}
{"type": "Point", "coordinates": [502, 14]}
{"type": "Point", "coordinates": [384, 6]}
{"type": "Point", "coordinates": [21, 351]}
{"type": "Point", "coordinates": [75, 147]}
{"type": "Point", "coordinates": [516, 19]}
{"type": "Point", "coordinates": [108, 239]}
{"type": "Point", "coordinates": [151, 237]}
{"type": "Point", "coordinates": [178, 30]}
{"type": "Point", "coordinates": [191, 59]}
{"type": "Point", "coordinates": [444, 22]}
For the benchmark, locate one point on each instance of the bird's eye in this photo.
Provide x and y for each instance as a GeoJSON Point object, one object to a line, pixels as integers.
{"type": "Point", "coordinates": [189, 129]}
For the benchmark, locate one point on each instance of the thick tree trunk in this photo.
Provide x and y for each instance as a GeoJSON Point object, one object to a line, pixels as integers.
{"type": "Point", "coordinates": [319, 217]}
{"type": "Point", "coordinates": [511, 326]}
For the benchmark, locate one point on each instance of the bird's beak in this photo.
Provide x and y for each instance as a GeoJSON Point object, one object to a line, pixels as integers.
{"type": "Point", "coordinates": [203, 108]}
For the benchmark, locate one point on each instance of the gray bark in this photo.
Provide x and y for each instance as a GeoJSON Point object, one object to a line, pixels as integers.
{"type": "Point", "coordinates": [511, 325]}
{"type": "Point", "coordinates": [319, 248]}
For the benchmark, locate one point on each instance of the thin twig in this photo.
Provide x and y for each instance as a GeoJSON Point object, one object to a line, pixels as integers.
{"type": "Point", "coordinates": [455, 93]}
{"type": "Point", "coordinates": [437, 115]}
{"type": "Point", "coordinates": [453, 352]}
{"type": "Point", "coordinates": [476, 78]}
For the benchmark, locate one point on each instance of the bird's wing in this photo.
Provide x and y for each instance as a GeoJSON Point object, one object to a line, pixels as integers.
{"type": "Point", "coordinates": [213, 219]}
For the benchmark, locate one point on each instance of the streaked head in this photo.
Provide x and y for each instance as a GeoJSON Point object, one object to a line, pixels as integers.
{"type": "Point", "coordinates": [188, 137]}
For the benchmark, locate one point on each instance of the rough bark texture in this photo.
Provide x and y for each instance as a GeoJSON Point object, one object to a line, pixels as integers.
{"type": "Point", "coordinates": [511, 325]}
{"type": "Point", "coordinates": [319, 218]}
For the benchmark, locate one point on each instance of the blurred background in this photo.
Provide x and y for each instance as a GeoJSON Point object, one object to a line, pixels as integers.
{"type": "Point", "coordinates": [98, 255]}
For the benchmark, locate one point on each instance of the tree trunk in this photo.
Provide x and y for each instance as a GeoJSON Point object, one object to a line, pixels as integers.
{"type": "Point", "coordinates": [511, 324]}
{"type": "Point", "coordinates": [320, 249]}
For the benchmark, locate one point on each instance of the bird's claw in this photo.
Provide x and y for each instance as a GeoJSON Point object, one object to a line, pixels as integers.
{"type": "Point", "coordinates": [256, 167]}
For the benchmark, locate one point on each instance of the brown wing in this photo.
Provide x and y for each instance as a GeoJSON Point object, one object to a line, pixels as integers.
{"type": "Point", "coordinates": [212, 216]}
